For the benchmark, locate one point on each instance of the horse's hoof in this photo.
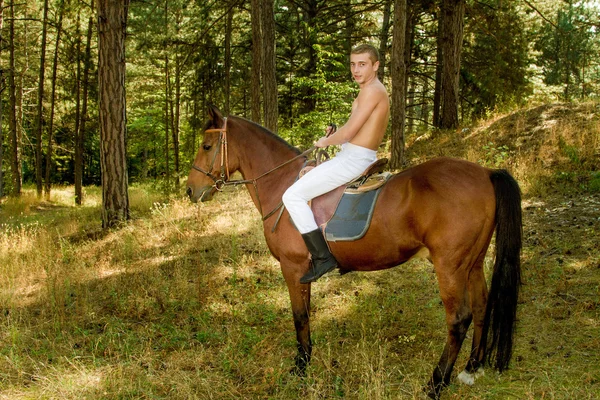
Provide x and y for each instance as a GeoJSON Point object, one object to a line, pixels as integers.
{"type": "Point", "coordinates": [300, 364]}
{"type": "Point", "coordinates": [433, 392]}
{"type": "Point", "coordinates": [298, 371]}
{"type": "Point", "coordinates": [468, 378]}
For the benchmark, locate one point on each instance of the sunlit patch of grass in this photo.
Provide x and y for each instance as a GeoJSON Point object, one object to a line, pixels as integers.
{"type": "Point", "coordinates": [188, 303]}
{"type": "Point", "coordinates": [18, 206]}
{"type": "Point", "coordinates": [185, 301]}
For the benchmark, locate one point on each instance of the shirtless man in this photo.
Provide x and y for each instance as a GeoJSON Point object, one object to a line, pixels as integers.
{"type": "Point", "coordinates": [360, 138]}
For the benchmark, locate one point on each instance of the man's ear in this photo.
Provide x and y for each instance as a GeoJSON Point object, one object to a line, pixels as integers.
{"type": "Point", "coordinates": [215, 115]}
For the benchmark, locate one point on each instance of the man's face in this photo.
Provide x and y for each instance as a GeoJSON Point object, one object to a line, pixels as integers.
{"type": "Point", "coordinates": [362, 68]}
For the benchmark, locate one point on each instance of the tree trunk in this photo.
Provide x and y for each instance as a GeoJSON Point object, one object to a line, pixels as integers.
{"type": "Point", "coordinates": [1, 103]}
{"type": "Point", "coordinates": [437, 91]}
{"type": "Point", "coordinates": [398, 74]}
{"type": "Point", "coordinates": [167, 123]}
{"type": "Point", "coordinates": [15, 162]}
{"type": "Point", "coordinates": [349, 30]}
{"type": "Point", "coordinates": [49, 148]}
{"type": "Point", "coordinates": [269, 65]}
{"type": "Point", "coordinates": [410, 106]}
{"type": "Point", "coordinates": [256, 59]}
{"type": "Point", "coordinates": [112, 22]}
{"type": "Point", "coordinates": [39, 123]}
{"type": "Point", "coordinates": [167, 98]}
{"type": "Point", "coordinates": [175, 124]}
{"type": "Point", "coordinates": [453, 12]}
{"type": "Point", "coordinates": [1, 113]}
{"type": "Point", "coordinates": [228, 31]}
{"type": "Point", "coordinates": [77, 83]}
{"type": "Point", "coordinates": [176, 115]}
{"type": "Point", "coordinates": [310, 12]}
{"type": "Point", "coordinates": [383, 39]}
{"type": "Point", "coordinates": [424, 102]}
{"type": "Point", "coordinates": [80, 138]}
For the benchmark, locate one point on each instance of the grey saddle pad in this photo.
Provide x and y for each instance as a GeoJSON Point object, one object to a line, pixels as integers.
{"type": "Point", "coordinates": [352, 216]}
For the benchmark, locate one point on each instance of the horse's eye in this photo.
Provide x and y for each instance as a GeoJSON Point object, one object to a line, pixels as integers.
{"type": "Point", "coordinates": [206, 147]}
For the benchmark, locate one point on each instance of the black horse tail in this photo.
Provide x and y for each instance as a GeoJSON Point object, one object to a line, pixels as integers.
{"type": "Point", "coordinates": [501, 308]}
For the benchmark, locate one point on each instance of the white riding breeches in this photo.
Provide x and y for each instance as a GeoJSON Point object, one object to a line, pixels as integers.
{"type": "Point", "coordinates": [346, 166]}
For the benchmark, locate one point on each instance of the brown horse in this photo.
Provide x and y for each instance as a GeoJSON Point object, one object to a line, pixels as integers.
{"type": "Point", "coordinates": [445, 209]}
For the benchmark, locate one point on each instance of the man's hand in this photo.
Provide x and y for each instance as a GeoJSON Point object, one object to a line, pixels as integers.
{"type": "Point", "coordinates": [321, 142]}
{"type": "Point", "coordinates": [330, 130]}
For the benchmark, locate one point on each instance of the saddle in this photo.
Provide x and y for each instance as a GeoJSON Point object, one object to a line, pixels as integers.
{"type": "Point", "coordinates": [344, 213]}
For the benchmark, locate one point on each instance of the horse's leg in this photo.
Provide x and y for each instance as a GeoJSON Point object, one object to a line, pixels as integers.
{"type": "Point", "coordinates": [300, 299]}
{"type": "Point", "coordinates": [478, 297]}
{"type": "Point", "coordinates": [453, 289]}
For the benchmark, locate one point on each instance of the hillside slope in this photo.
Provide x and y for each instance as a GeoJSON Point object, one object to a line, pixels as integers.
{"type": "Point", "coordinates": [539, 145]}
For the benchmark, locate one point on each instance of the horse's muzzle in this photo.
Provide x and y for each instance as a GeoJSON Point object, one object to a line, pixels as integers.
{"type": "Point", "coordinates": [201, 194]}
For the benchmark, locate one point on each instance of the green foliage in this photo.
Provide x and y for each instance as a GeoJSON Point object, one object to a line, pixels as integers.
{"type": "Point", "coordinates": [594, 185]}
{"type": "Point", "coordinates": [176, 57]}
{"type": "Point", "coordinates": [570, 151]}
{"type": "Point", "coordinates": [567, 50]}
{"type": "Point", "coordinates": [493, 155]}
{"type": "Point", "coordinates": [495, 63]}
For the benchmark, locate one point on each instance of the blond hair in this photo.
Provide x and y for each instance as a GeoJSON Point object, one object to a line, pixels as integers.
{"type": "Point", "coordinates": [367, 48]}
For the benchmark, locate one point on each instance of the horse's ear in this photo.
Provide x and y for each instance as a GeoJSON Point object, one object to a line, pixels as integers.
{"type": "Point", "coordinates": [215, 115]}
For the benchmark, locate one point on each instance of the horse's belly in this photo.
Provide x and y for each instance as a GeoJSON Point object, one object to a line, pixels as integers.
{"type": "Point", "coordinates": [353, 256]}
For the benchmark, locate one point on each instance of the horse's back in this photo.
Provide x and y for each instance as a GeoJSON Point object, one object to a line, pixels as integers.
{"type": "Point", "coordinates": [440, 199]}
{"type": "Point", "coordinates": [445, 182]}
{"type": "Point", "coordinates": [451, 199]}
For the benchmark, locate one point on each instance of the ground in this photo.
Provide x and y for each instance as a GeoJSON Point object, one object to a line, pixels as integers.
{"type": "Point", "coordinates": [185, 301]}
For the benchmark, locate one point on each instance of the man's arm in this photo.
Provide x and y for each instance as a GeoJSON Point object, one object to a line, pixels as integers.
{"type": "Point", "coordinates": [365, 103]}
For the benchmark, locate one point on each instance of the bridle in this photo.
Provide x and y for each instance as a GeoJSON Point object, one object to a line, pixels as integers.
{"type": "Point", "coordinates": [223, 179]}
{"type": "Point", "coordinates": [222, 148]}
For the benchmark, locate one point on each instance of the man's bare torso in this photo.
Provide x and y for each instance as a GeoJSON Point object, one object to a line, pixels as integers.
{"type": "Point", "coordinates": [371, 133]}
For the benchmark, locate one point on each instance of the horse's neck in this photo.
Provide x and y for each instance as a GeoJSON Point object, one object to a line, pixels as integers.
{"type": "Point", "coordinates": [260, 158]}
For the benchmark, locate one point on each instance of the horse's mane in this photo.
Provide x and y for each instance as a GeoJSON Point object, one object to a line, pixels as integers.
{"type": "Point", "coordinates": [268, 133]}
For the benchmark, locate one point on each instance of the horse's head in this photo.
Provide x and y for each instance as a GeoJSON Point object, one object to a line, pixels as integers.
{"type": "Point", "coordinates": [210, 169]}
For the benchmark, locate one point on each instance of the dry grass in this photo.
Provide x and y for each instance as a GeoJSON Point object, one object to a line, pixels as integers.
{"type": "Point", "coordinates": [185, 301]}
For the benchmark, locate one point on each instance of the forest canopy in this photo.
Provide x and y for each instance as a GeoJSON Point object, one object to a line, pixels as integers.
{"type": "Point", "coordinates": [182, 56]}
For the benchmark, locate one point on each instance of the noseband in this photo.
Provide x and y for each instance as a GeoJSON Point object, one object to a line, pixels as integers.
{"type": "Point", "coordinates": [222, 148]}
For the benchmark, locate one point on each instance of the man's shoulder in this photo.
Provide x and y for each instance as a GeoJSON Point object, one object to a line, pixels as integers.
{"type": "Point", "coordinates": [375, 88]}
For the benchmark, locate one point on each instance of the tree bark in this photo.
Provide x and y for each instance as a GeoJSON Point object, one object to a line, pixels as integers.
{"type": "Point", "coordinates": [437, 91]}
{"type": "Point", "coordinates": [112, 23]}
{"type": "Point", "coordinates": [177, 115]}
{"type": "Point", "coordinates": [412, 15]}
{"type": "Point", "coordinates": [39, 123]}
{"type": "Point", "coordinates": [49, 148]}
{"type": "Point", "coordinates": [167, 122]}
{"type": "Point", "coordinates": [175, 103]}
{"type": "Point", "coordinates": [80, 138]}
{"type": "Point", "coordinates": [15, 137]}
{"type": "Point", "coordinates": [349, 28]}
{"type": "Point", "coordinates": [77, 83]}
{"type": "Point", "coordinates": [453, 12]}
{"type": "Point", "coordinates": [1, 104]}
{"type": "Point", "coordinates": [256, 59]}
{"type": "Point", "coordinates": [228, 29]}
{"type": "Point", "coordinates": [398, 74]}
{"type": "Point", "coordinates": [269, 76]}
{"type": "Point", "coordinates": [383, 39]}
{"type": "Point", "coordinates": [167, 107]}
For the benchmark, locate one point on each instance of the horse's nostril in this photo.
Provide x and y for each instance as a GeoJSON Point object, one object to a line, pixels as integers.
{"type": "Point", "coordinates": [189, 191]}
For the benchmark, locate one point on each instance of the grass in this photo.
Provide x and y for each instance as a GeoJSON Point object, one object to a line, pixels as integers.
{"type": "Point", "coordinates": [185, 301]}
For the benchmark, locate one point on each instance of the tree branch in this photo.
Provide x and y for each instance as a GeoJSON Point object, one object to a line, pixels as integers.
{"type": "Point", "coordinates": [540, 14]}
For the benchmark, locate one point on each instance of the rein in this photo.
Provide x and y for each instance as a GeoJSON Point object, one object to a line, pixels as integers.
{"type": "Point", "coordinates": [223, 179]}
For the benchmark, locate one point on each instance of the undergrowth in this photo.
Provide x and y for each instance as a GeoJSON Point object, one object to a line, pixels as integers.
{"type": "Point", "coordinates": [185, 301]}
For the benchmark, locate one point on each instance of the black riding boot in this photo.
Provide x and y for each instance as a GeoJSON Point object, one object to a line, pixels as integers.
{"type": "Point", "coordinates": [322, 259]}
